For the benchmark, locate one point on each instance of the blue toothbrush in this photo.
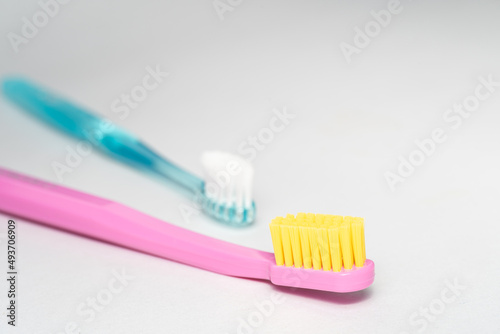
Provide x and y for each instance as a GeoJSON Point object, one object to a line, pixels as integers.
{"type": "Point", "coordinates": [227, 199]}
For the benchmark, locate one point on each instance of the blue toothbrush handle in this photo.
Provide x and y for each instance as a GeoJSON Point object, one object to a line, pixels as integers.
{"type": "Point", "coordinates": [83, 125]}
{"type": "Point", "coordinates": [55, 111]}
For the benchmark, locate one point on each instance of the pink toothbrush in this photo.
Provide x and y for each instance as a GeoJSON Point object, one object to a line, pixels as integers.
{"type": "Point", "coordinates": [98, 218]}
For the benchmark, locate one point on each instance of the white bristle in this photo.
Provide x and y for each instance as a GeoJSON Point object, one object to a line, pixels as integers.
{"type": "Point", "coordinates": [228, 178]}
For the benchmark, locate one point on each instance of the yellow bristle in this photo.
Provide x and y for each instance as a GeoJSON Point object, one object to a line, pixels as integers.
{"type": "Point", "coordinates": [338, 219]}
{"type": "Point", "coordinates": [334, 241]}
{"type": "Point", "coordinates": [304, 241]}
{"type": "Point", "coordinates": [319, 219]}
{"type": "Point", "coordinates": [295, 240]}
{"type": "Point", "coordinates": [358, 241]}
{"type": "Point", "coordinates": [363, 238]}
{"type": "Point", "coordinates": [318, 241]}
{"type": "Point", "coordinates": [324, 248]}
{"type": "Point", "coordinates": [287, 244]}
{"type": "Point", "coordinates": [315, 253]}
{"type": "Point", "coordinates": [345, 242]}
{"type": "Point", "coordinates": [277, 244]}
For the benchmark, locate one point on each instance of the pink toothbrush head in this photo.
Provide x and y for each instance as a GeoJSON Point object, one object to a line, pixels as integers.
{"type": "Point", "coordinates": [323, 252]}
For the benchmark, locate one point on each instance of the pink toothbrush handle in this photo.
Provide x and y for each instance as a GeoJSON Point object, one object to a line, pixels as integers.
{"type": "Point", "coordinates": [108, 221]}
{"type": "Point", "coordinates": [105, 220]}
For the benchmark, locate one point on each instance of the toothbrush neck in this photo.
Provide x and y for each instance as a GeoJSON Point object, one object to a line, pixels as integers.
{"type": "Point", "coordinates": [180, 176]}
{"type": "Point", "coordinates": [129, 149]}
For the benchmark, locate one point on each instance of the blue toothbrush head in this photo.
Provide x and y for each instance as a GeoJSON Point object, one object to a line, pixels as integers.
{"type": "Point", "coordinates": [229, 213]}
{"type": "Point", "coordinates": [227, 192]}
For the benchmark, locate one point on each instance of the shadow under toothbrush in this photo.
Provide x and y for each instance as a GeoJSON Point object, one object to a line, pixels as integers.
{"type": "Point", "coordinates": [324, 296]}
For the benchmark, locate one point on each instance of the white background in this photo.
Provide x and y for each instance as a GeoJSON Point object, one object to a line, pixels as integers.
{"type": "Point", "coordinates": [352, 122]}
